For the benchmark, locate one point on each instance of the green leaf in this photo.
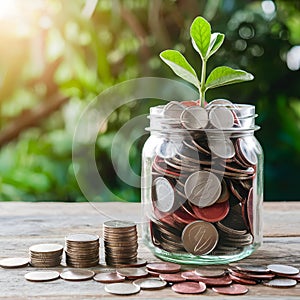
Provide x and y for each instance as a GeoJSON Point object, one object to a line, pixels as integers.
{"type": "Point", "coordinates": [177, 62]}
{"type": "Point", "coordinates": [216, 41]}
{"type": "Point", "coordinates": [200, 32]}
{"type": "Point", "coordinates": [225, 75]}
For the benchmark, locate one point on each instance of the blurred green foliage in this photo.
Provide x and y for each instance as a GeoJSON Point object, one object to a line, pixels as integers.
{"type": "Point", "coordinates": [55, 58]}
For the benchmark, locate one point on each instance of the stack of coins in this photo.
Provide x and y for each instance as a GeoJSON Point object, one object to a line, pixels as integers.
{"type": "Point", "coordinates": [45, 255]}
{"type": "Point", "coordinates": [82, 250]}
{"type": "Point", "coordinates": [120, 242]}
{"type": "Point", "coordinates": [208, 176]}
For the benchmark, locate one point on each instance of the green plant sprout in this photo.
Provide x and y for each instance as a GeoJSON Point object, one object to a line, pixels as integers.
{"type": "Point", "coordinates": [206, 44]}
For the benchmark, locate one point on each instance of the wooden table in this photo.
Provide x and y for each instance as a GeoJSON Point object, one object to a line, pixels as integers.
{"type": "Point", "coordinates": [25, 224]}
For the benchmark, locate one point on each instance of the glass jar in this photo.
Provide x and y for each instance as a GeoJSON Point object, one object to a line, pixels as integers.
{"type": "Point", "coordinates": [202, 183]}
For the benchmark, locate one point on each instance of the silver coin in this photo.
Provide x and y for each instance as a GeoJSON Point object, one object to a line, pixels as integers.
{"type": "Point", "coordinates": [77, 275]}
{"type": "Point", "coordinates": [219, 102]}
{"type": "Point", "coordinates": [283, 269]}
{"type": "Point", "coordinates": [202, 188]}
{"type": "Point", "coordinates": [122, 288]}
{"type": "Point", "coordinates": [82, 237]}
{"type": "Point", "coordinates": [173, 110]}
{"type": "Point", "coordinates": [221, 117]}
{"type": "Point", "coordinates": [248, 154]}
{"type": "Point", "coordinates": [46, 248]}
{"type": "Point", "coordinates": [164, 194]}
{"type": "Point", "coordinates": [210, 272]}
{"type": "Point", "coordinates": [132, 272]}
{"type": "Point", "coordinates": [150, 283]}
{"type": "Point", "coordinates": [14, 262]}
{"type": "Point", "coordinates": [222, 147]}
{"type": "Point", "coordinates": [194, 117]}
{"type": "Point", "coordinates": [40, 276]}
{"type": "Point", "coordinates": [281, 283]}
{"type": "Point", "coordinates": [118, 224]}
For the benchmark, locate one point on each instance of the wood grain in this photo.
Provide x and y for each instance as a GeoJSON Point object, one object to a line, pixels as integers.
{"type": "Point", "coordinates": [24, 224]}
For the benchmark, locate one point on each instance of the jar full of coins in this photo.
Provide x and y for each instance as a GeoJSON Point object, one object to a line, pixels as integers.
{"type": "Point", "coordinates": [202, 182]}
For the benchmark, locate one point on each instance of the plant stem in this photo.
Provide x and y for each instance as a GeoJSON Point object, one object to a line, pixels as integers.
{"type": "Point", "coordinates": [202, 83]}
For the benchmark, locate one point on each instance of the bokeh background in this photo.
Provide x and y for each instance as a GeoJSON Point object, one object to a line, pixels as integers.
{"type": "Point", "coordinates": [57, 55]}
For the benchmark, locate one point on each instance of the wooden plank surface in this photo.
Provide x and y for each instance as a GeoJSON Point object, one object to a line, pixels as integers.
{"type": "Point", "coordinates": [25, 224]}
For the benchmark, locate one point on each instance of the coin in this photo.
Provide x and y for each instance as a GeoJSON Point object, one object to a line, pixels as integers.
{"type": "Point", "coordinates": [194, 117]}
{"type": "Point", "coordinates": [252, 268]}
{"type": "Point", "coordinates": [221, 147]}
{"type": "Point", "coordinates": [82, 238]}
{"type": "Point", "coordinates": [164, 267]}
{"type": "Point", "coordinates": [139, 262]}
{"type": "Point", "coordinates": [234, 289]}
{"type": "Point", "coordinates": [190, 275]}
{"type": "Point", "coordinates": [14, 262]}
{"type": "Point", "coordinates": [132, 273]}
{"type": "Point", "coordinates": [219, 102]}
{"type": "Point", "coordinates": [77, 275]}
{"type": "Point", "coordinates": [210, 272]}
{"type": "Point", "coordinates": [283, 269]}
{"type": "Point", "coordinates": [40, 276]}
{"type": "Point", "coordinates": [172, 277]}
{"type": "Point", "coordinates": [163, 193]}
{"type": "Point", "coordinates": [213, 213]}
{"type": "Point", "coordinates": [242, 280]}
{"type": "Point", "coordinates": [281, 283]}
{"type": "Point", "coordinates": [215, 281]}
{"type": "Point", "coordinates": [221, 117]}
{"type": "Point", "coordinates": [46, 248]}
{"type": "Point", "coordinates": [123, 288]}
{"type": "Point", "coordinates": [202, 188]}
{"type": "Point", "coordinates": [150, 283]}
{"type": "Point", "coordinates": [109, 277]}
{"type": "Point", "coordinates": [247, 155]}
{"type": "Point", "coordinates": [189, 287]}
{"type": "Point", "coordinates": [199, 237]}
{"type": "Point", "coordinates": [173, 110]}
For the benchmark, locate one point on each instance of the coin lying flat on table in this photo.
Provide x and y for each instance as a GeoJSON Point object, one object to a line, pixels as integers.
{"type": "Point", "coordinates": [14, 262]}
{"type": "Point", "coordinates": [283, 269]}
{"type": "Point", "coordinates": [281, 283]}
{"type": "Point", "coordinates": [132, 273]}
{"type": "Point", "coordinates": [210, 272]}
{"type": "Point", "coordinates": [251, 268]}
{"type": "Point", "coordinates": [77, 275]}
{"type": "Point", "coordinates": [39, 276]}
{"type": "Point", "coordinates": [111, 277]}
{"type": "Point", "coordinates": [189, 287]}
{"type": "Point", "coordinates": [164, 267]}
{"type": "Point", "coordinates": [150, 283]}
{"type": "Point", "coordinates": [123, 288]}
{"type": "Point", "coordinates": [173, 277]}
{"type": "Point", "coordinates": [234, 289]}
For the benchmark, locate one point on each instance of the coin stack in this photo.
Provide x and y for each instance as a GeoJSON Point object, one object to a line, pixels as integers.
{"type": "Point", "coordinates": [45, 255]}
{"type": "Point", "coordinates": [120, 242]}
{"type": "Point", "coordinates": [202, 191]}
{"type": "Point", "coordinates": [82, 250]}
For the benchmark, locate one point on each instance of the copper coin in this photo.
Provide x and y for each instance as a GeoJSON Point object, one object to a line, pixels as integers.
{"type": "Point", "coordinates": [248, 275]}
{"type": "Point", "coordinates": [217, 281]}
{"type": "Point", "coordinates": [296, 277]}
{"type": "Point", "coordinates": [111, 277]}
{"type": "Point", "coordinates": [132, 273]}
{"type": "Point", "coordinates": [251, 268]}
{"type": "Point", "coordinates": [250, 209]}
{"type": "Point", "coordinates": [123, 288]}
{"type": "Point", "coordinates": [14, 262]}
{"type": "Point", "coordinates": [191, 275]}
{"type": "Point", "coordinates": [234, 289]}
{"type": "Point", "coordinates": [225, 195]}
{"type": "Point", "coordinates": [40, 276]}
{"type": "Point", "coordinates": [213, 213]}
{"type": "Point", "coordinates": [242, 280]}
{"type": "Point", "coordinates": [182, 216]}
{"type": "Point", "coordinates": [173, 278]}
{"type": "Point", "coordinates": [164, 267]}
{"type": "Point", "coordinates": [281, 283]}
{"type": "Point", "coordinates": [77, 275]}
{"type": "Point", "coordinates": [189, 287]}
{"type": "Point", "coordinates": [210, 272]}
{"type": "Point", "coordinates": [152, 273]}
{"type": "Point", "coordinates": [199, 237]}
{"type": "Point", "coordinates": [150, 283]}
{"type": "Point", "coordinates": [283, 269]}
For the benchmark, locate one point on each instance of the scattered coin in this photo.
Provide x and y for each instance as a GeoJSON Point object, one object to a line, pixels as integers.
{"type": "Point", "coordinates": [189, 287]}
{"type": "Point", "coordinates": [123, 288]}
{"type": "Point", "coordinates": [281, 283]}
{"type": "Point", "coordinates": [132, 273]}
{"type": "Point", "coordinates": [234, 289]}
{"type": "Point", "coordinates": [242, 280]}
{"type": "Point", "coordinates": [111, 277]}
{"type": "Point", "coordinates": [283, 269]}
{"type": "Point", "coordinates": [199, 237]}
{"type": "Point", "coordinates": [164, 267]}
{"type": "Point", "coordinates": [150, 283]}
{"type": "Point", "coordinates": [173, 277]}
{"type": "Point", "coordinates": [14, 262]}
{"type": "Point", "coordinates": [251, 268]}
{"type": "Point", "coordinates": [77, 275]}
{"type": "Point", "coordinates": [210, 272]}
{"type": "Point", "coordinates": [40, 276]}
